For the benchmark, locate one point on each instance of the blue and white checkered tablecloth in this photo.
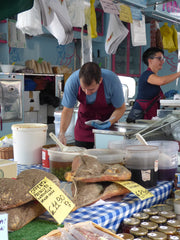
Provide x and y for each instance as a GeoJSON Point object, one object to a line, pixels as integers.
{"type": "Point", "coordinates": [110, 214]}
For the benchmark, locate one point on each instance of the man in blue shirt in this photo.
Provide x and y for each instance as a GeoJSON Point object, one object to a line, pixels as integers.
{"type": "Point", "coordinates": [100, 94]}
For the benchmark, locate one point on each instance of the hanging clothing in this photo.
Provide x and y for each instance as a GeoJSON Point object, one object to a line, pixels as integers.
{"type": "Point", "coordinates": [98, 110]}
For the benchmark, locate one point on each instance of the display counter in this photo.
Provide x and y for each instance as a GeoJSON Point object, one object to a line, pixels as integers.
{"type": "Point", "coordinates": [109, 214]}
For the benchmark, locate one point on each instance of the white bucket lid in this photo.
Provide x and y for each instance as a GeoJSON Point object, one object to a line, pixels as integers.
{"type": "Point", "coordinates": [29, 126]}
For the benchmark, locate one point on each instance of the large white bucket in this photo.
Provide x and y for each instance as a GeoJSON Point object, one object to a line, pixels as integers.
{"type": "Point", "coordinates": [28, 139]}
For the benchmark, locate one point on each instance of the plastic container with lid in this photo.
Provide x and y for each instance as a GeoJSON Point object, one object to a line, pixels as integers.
{"type": "Point", "coordinates": [168, 159]}
{"type": "Point", "coordinates": [142, 161]}
{"type": "Point", "coordinates": [110, 156]}
{"type": "Point", "coordinates": [60, 162]}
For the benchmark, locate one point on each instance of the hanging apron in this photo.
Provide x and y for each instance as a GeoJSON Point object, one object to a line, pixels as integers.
{"type": "Point", "coordinates": [152, 112]}
{"type": "Point", "coordinates": [98, 110]}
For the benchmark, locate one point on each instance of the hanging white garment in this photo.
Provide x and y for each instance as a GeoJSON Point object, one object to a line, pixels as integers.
{"type": "Point", "coordinates": [55, 18]}
{"type": "Point", "coordinates": [29, 22]}
{"type": "Point", "coordinates": [116, 33]}
{"type": "Point", "coordinates": [138, 32]}
{"type": "Point", "coordinates": [76, 12]}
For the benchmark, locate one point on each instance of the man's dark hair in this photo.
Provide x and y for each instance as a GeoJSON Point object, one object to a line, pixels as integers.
{"type": "Point", "coordinates": [89, 72]}
{"type": "Point", "coordinates": [150, 53]}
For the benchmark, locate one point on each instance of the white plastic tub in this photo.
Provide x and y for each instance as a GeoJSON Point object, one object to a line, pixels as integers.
{"type": "Point", "coordinates": [28, 139]}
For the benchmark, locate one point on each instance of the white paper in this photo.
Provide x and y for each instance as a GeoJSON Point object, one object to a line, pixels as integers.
{"type": "Point", "coordinates": [4, 226]}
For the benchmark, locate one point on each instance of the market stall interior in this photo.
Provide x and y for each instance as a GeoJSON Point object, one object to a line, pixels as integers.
{"type": "Point", "coordinates": [126, 185]}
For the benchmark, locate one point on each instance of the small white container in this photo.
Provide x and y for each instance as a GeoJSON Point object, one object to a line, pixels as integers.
{"type": "Point", "coordinates": [177, 206]}
{"type": "Point", "coordinates": [7, 68]}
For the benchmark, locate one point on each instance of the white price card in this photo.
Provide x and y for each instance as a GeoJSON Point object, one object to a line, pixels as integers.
{"type": "Point", "coordinates": [3, 226]}
{"type": "Point", "coordinates": [53, 199]}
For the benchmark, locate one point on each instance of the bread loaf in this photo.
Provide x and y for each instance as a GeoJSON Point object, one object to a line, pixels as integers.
{"type": "Point", "coordinates": [13, 193]}
{"type": "Point", "coordinates": [31, 177]}
{"type": "Point", "coordinates": [20, 216]}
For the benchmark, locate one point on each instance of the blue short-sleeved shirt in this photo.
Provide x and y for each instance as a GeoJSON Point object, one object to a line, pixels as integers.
{"type": "Point", "coordinates": [145, 89]}
{"type": "Point", "coordinates": [112, 88]}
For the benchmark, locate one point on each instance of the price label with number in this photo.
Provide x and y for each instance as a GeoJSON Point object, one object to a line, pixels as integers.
{"type": "Point", "coordinates": [137, 189]}
{"type": "Point", "coordinates": [53, 199]}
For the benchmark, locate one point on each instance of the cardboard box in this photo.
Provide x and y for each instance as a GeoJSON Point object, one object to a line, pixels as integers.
{"type": "Point", "coordinates": [8, 169]}
{"type": "Point", "coordinates": [42, 114]}
{"type": "Point", "coordinates": [30, 117]}
{"type": "Point", "coordinates": [31, 101]}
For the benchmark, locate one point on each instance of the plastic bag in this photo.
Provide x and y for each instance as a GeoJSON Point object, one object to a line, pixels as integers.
{"type": "Point", "coordinates": [93, 21]}
{"type": "Point", "coordinates": [175, 39]}
{"type": "Point", "coordinates": [167, 37]}
{"type": "Point", "coordinates": [29, 22]}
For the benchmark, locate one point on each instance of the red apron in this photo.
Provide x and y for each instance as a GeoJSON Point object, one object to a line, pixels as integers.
{"type": "Point", "coordinates": [152, 112]}
{"type": "Point", "coordinates": [98, 110]}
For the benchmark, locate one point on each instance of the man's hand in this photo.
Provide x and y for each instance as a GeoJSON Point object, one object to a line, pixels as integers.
{"type": "Point", "coordinates": [102, 126]}
{"type": "Point", "coordinates": [62, 138]}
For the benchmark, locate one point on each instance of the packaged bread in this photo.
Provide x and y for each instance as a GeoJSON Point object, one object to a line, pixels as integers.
{"type": "Point", "coordinates": [83, 230]}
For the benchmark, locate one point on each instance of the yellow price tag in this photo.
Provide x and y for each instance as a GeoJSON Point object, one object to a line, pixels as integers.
{"type": "Point", "coordinates": [137, 189]}
{"type": "Point", "coordinates": [125, 14]}
{"type": "Point", "coordinates": [53, 199]}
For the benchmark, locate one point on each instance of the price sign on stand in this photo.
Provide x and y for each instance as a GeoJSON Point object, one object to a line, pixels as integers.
{"type": "Point", "coordinates": [137, 189]}
{"type": "Point", "coordinates": [53, 199]}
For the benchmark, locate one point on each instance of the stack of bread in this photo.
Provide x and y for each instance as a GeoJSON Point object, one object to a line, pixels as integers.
{"type": "Point", "coordinates": [16, 200]}
{"type": "Point", "coordinates": [92, 180]}
{"type": "Point", "coordinates": [39, 67]}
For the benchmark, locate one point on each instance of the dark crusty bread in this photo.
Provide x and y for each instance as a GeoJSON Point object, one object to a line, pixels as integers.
{"type": "Point", "coordinates": [22, 215]}
{"type": "Point", "coordinates": [31, 177]}
{"type": "Point", "coordinates": [13, 193]}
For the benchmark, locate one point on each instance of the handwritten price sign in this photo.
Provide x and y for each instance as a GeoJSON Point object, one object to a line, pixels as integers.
{"type": "Point", "coordinates": [53, 199]}
{"type": "Point", "coordinates": [137, 189]}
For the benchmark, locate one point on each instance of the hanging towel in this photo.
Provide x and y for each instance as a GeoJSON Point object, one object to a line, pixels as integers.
{"type": "Point", "coordinates": [138, 32]}
{"type": "Point", "coordinates": [116, 33]}
{"type": "Point", "coordinates": [56, 19]}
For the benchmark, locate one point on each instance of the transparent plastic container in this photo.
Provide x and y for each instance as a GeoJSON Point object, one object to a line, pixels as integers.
{"type": "Point", "coordinates": [142, 161]}
{"type": "Point", "coordinates": [168, 159]}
